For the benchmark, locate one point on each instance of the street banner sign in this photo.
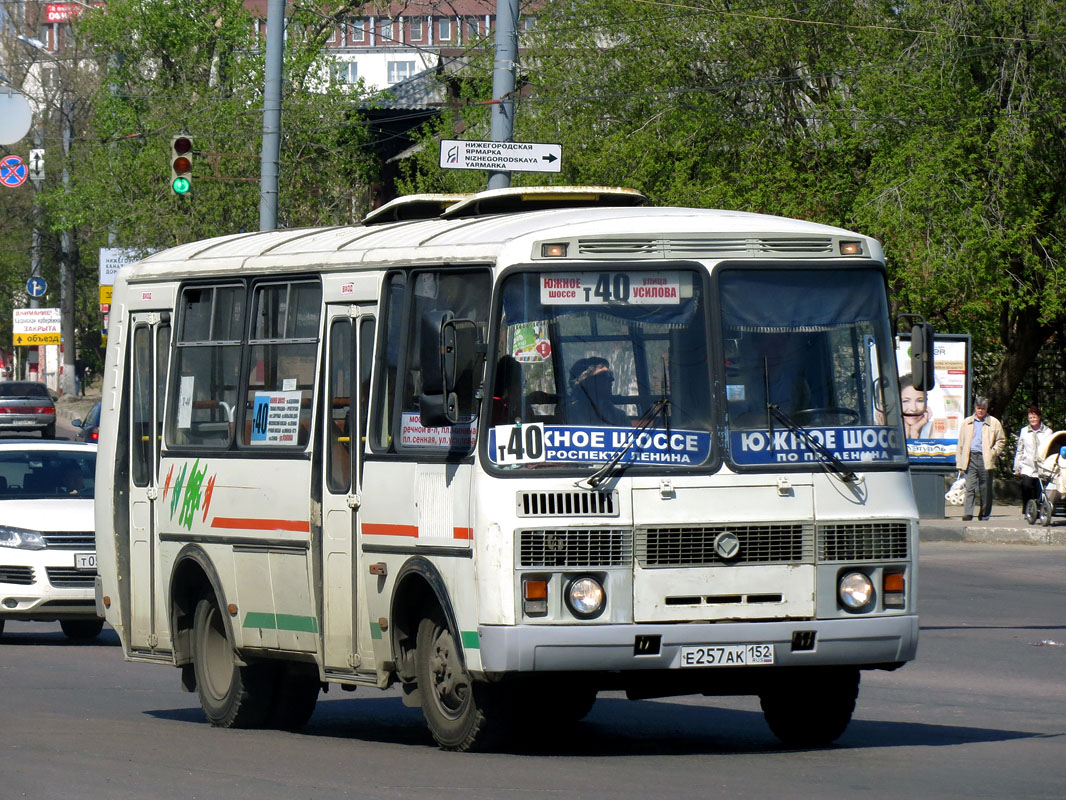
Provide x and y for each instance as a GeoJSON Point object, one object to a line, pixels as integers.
{"type": "Point", "coordinates": [13, 171]}
{"type": "Point", "coordinates": [112, 259]}
{"type": "Point", "coordinates": [34, 326]}
{"type": "Point", "coordinates": [105, 295]}
{"type": "Point", "coordinates": [501, 156]}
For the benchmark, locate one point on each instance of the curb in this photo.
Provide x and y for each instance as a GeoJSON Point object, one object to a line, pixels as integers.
{"type": "Point", "coordinates": [1033, 534]}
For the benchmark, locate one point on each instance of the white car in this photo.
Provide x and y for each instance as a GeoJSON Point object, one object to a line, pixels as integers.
{"type": "Point", "coordinates": [47, 538]}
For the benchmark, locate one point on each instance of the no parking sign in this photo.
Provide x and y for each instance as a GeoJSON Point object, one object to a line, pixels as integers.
{"type": "Point", "coordinates": [12, 171]}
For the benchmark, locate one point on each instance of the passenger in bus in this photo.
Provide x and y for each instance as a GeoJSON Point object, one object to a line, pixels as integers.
{"type": "Point", "coordinates": [591, 401]}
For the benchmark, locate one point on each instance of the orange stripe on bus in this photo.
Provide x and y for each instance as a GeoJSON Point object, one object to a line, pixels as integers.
{"type": "Point", "coordinates": [386, 529]}
{"type": "Point", "coordinates": [463, 533]}
{"type": "Point", "coordinates": [239, 523]}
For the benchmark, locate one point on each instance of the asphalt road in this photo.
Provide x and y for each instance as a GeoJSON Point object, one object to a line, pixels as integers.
{"type": "Point", "coordinates": [980, 714]}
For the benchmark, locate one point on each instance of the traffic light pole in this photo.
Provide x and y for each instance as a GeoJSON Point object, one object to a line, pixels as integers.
{"type": "Point", "coordinates": [271, 152]}
{"type": "Point", "coordinates": [66, 269]}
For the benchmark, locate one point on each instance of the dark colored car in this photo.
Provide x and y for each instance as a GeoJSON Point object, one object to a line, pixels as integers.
{"type": "Point", "coordinates": [27, 406]}
{"type": "Point", "coordinates": [90, 426]}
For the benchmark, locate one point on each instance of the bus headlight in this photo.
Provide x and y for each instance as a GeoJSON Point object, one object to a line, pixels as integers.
{"type": "Point", "coordinates": [585, 597]}
{"type": "Point", "coordinates": [856, 591]}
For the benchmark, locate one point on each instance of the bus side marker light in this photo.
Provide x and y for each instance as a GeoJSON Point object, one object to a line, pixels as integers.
{"type": "Point", "coordinates": [107, 601]}
{"type": "Point", "coordinates": [535, 597]}
{"type": "Point", "coordinates": [894, 590]}
{"type": "Point", "coordinates": [379, 569]}
{"type": "Point", "coordinates": [553, 250]}
{"type": "Point", "coordinates": [851, 248]}
{"type": "Point", "coordinates": [232, 609]}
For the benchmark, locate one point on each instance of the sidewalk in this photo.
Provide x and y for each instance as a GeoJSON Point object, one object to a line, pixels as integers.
{"type": "Point", "coordinates": [1006, 526]}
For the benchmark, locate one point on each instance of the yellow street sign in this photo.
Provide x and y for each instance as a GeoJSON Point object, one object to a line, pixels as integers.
{"type": "Point", "coordinates": [34, 339]}
{"type": "Point", "coordinates": [105, 294]}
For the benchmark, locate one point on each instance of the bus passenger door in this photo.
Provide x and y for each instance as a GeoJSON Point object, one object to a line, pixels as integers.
{"type": "Point", "coordinates": [145, 384]}
{"type": "Point", "coordinates": [350, 348]}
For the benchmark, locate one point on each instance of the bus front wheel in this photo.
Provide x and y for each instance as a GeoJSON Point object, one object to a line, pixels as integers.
{"type": "Point", "coordinates": [811, 708]}
{"type": "Point", "coordinates": [232, 696]}
{"type": "Point", "coordinates": [460, 712]}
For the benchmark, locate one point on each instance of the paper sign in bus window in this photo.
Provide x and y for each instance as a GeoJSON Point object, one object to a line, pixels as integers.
{"type": "Point", "coordinates": [612, 288]}
{"type": "Point", "coordinates": [276, 418]}
{"type": "Point", "coordinates": [185, 395]}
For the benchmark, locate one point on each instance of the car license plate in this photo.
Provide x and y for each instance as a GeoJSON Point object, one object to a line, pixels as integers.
{"type": "Point", "coordinates": [728, 655]}
{"type": "Point", "coordinates": [85, 561]}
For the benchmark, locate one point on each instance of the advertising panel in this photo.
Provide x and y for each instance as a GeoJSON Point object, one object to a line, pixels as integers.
{"type": "Point", "coordinates": [931, 419]}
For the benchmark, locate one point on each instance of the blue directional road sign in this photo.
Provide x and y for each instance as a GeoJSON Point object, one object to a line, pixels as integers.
{"type": "Point", "coordinates": [36, 286]}
{"type": "Point", "coordinates": [12, 171]}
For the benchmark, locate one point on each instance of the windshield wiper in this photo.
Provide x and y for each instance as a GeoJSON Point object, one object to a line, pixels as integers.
{"type": "Point", "coordinates": [830, 460]}
{"type": "Point", "coordinates": [661, 405]}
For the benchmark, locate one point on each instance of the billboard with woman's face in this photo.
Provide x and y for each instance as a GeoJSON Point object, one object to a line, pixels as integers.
{"type": "Point", "coordinates": [931, 419]}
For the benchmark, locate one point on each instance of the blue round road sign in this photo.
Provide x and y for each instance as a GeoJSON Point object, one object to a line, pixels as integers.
{"type": "Point", "coordinates": [12, 171]}
{"type": "Point", "coordinates": [36, 286]}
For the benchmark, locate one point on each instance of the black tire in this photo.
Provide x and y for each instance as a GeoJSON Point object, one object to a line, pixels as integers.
{"type": "Point", "coordinates": [1032, 512]}
{"type": "Point", "coordinates": [232, 696]}
{"type": "Point", "coordinates": [49, 432]}
{"type": "Point", "coordinates": [294, 700]}
{"type": "Point", "coordinates": [811, 708]}
{"type": "Point", "coordinates": [1047, 511]}
{"type": "Point", "coordinates": [81, 629]}
{"type": "Point", "coordinates": [461, 714]}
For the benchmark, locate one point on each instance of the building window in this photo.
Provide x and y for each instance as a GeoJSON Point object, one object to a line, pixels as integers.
{"type": "Point", "coordinates": [357, 31]}
{"type": "Point", "coordinates": [471, 29]}
{"type": "Point", "coordinates": [529, 23]}
{"type": "Point", "coordinates": [385, 31]}
{"type": "Point", "coordinates": [400, 70]}
{"type": "Point", "coordinates": [416, 29]}
{"type": "Point", "coordinates": [346, 72]}
{"type": "Point", "coordinates": [444, 29]}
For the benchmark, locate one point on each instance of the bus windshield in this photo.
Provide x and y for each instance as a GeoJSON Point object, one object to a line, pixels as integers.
{"type": "Point", "coordinates": [808, 354]}
{"type": "Point", "coordinates": [592, 362]}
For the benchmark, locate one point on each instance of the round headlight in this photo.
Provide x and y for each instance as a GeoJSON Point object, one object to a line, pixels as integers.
{"type": "Point", "coordinates": [856, 591]}
{"type": "Point", "coordinates": [585, 597]}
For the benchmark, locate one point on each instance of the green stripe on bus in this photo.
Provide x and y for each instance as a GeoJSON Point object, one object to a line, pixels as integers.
{"type": "Point", "coordinates": [375, 630]}
{"type": "Point", "coordinates": [281, 622]}
{"type": "Point", "coordinates": [470, 640]}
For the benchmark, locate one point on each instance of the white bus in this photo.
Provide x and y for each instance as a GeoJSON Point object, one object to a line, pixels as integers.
{"type": "Point", "coordinates": [505, 451]}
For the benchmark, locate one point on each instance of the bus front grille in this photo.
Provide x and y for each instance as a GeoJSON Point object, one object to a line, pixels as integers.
{"type": "Point", "coordinates": [575, 548]}
{"type": "Point", "coordinates": [863, 541]}
{"type": "Point", "coordinates": [785, 543]}
{"type": "Point", "coordinates": [567, 504]}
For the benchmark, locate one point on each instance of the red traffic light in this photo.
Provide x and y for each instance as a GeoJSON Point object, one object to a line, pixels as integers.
{"type": "Point", "coordinates": [182, 145]}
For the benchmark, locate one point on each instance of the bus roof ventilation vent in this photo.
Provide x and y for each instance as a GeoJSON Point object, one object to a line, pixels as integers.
{"type": "Point", "coordinates": [703, 247]}
{"type": "Point", "coordinates": [567, 504]}
{"type": "Point", "coordinates": [788, 245]}
{"type": "Point", "coordinates": [413, 207]}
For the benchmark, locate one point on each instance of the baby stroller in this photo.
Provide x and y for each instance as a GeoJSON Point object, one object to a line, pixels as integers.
{"type": "Point", "coordinates": [1051, 474]}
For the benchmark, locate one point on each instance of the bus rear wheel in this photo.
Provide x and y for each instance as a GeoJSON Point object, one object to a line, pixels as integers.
{"type": "Point", "coordinates": [811, 708]}
{"type": "Point", "coordinates": [461, 714]}
{"type": "Point", "coordinates": [232, 696]}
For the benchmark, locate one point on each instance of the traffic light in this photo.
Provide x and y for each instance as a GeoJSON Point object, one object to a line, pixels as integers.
{"type": "Point", "coordinates": [181, 164]}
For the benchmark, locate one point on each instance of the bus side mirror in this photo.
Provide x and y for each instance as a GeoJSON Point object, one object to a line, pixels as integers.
{"type": "Point", "coordinates": [922, 356]}
{"type": "Point", "coordinates": [450, 354]}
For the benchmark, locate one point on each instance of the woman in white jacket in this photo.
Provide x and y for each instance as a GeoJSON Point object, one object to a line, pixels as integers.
{"type": "Point", "coordinates": [1031, 441]}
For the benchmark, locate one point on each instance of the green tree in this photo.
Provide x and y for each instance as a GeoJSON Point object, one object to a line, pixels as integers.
{"type": "Point", "coordinates": [936, 127]}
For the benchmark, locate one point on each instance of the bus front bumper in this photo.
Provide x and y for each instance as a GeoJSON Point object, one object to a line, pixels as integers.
{"type": "Point", "coordinates": [866, 641]}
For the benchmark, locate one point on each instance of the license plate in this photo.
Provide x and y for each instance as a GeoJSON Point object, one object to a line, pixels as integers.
{"type": "Point", "coordinates": [729, 655]}
{"type": "Point", "coordinates": [85, 561]}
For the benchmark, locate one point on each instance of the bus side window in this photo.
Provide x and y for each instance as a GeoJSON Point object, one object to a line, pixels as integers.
{"type": "Point", "coordinates": [283, 345]}
{"type": "Point", "coordinates": [207, 361]}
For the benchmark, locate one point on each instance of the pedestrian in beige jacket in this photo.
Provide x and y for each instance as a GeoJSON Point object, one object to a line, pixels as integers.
{"type": "Point", "coordinates": [976, 455]}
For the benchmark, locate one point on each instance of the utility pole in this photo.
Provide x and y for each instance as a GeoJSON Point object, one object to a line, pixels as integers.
{"type": "Point", "coordinates": [271, 148]}
{"type": "Point", "coordinates": [503, 82]}
{"type": "Point", "coordinates": [67, 268]}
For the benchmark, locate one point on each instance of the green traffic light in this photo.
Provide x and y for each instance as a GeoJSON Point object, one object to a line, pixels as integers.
{"type": "Point", "coordinates": [181, 185]}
